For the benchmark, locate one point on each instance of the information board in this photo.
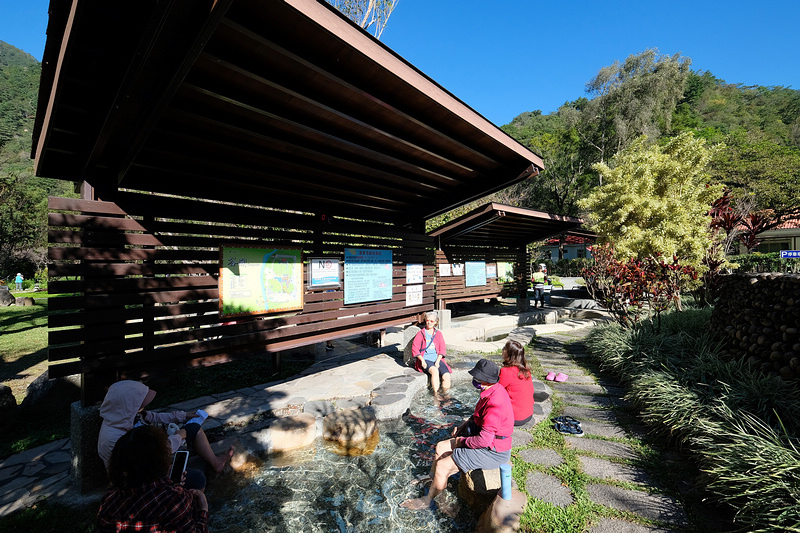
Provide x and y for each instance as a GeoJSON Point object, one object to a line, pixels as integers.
{"type": "Point", "coordinates": [475, 273]}
{"type": "Point", "coordinates": [323, 272]}
{"type": "Point", "coordinates": [258, 280]}
{"type": "Point", "coordinates": [505, 272]}
{"type": "Point", "coordinates": [367, 275]}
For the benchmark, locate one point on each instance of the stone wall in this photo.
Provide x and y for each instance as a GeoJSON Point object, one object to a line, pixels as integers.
{"type": "Point", "coordinates": [758, 315]}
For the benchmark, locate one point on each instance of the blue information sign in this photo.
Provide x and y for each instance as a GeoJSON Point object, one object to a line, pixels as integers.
{"type": "Point", "coordinates": [790, 254]}
{"type": "Point", "coordinates": [475, 273]}
{"type": "Point", "coordinates": [367, 275]}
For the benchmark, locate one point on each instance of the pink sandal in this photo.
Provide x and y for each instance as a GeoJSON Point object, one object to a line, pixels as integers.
{"type": "Point", "coordinates": [551, 376]}
{"type": "Point", "coordinates": [561, 377]}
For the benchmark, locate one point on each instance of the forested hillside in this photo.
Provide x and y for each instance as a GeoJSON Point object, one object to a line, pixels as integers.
{"type": "Point", "coordinates": [661, 96]}
{"type": "Point", "coordinates": [23, 197]}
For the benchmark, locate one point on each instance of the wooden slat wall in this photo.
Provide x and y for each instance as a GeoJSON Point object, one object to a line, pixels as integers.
{"type": "Point", "coordinates": [453, 289]}
{"type": "Point", "coordinates": [139, 283]}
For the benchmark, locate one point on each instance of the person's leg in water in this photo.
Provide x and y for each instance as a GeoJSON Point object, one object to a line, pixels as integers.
{"type": "Point", "coordinates": [434, 372]}
{"type": "Point", "coordinates": [445, 380]}
{"type": "Point", "coordinates": [442, 468]}
{"type": "Point", "coordinates": [199, 442]}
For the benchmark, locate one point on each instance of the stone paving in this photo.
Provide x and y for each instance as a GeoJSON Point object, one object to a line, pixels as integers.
{"type": "Point", "coordinates": [603, 457]}
{"type": "Point", "coordinates": [355, 376]}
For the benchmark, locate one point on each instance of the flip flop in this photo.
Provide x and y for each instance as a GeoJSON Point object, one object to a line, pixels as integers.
{"type": "Point", "coordinates": [550, 376]}
{"type": "Point", "coordinates": [561, 377]}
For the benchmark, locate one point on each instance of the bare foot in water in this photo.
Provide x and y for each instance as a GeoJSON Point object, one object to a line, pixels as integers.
{"type": "Point", "coordinates": [222, 460]}
{"type": "Point", "coordinates": [417, 504]}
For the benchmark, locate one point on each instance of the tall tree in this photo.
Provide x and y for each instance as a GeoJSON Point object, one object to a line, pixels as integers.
{"type": "Point", "coordinates": [628, 100]}
{"type": "Point", "coordinates": [23, 197]}
{"type": "Point", "coordinates": [655, 200]}
{"type": "Point", "coordinates": [567, 176]}
{"type": "Point", "coordinates": [372, 15]}
{"type": "Point", "coordinates": [754, 166]}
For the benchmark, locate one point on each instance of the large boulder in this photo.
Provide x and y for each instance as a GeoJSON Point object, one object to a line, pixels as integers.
{"type": "Point", "coordinates": [25, 301]}
{"type": "Point", "coordinates": [6, 298]}
{"type": "Point", "coordinates": [43, 387]}
{"type": "Point", "coordinates": [478, 488]}
{"type": "Point", "coordinates": [350, 428]}
{"type": "Point", "coordinates": [503, 516]}
{"type": "Point", "coordinates": [292, 432]}
{"type": "Point", "coordinates": [408, 338]}
{"type": "Point", "coordinates": [7, 402]}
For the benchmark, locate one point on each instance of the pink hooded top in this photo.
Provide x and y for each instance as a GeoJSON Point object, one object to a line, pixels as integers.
{"type": "Point", "coordinates": [118, 411]}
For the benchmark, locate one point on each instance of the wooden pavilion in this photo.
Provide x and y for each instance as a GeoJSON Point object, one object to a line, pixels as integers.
{"type": "Point", "coordinates": [191, 123]}
{"type": "Point", "coordinates": [491, 236]}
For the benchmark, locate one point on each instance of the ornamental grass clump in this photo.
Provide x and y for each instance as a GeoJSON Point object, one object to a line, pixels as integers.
{"type": "Point", "coordinates": [740, 424]}
{"type": "Point", "coordinates": [754, 467]}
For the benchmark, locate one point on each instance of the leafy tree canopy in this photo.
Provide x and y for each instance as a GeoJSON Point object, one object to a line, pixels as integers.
{"type": "Point", "coordinates": [655, 200]}
{"type": "Point", "coordinates": [23, 196]}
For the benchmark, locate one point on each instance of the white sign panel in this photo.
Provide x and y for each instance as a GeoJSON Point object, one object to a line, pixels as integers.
{"type": "Point", "coordinates": [413, 295]}
{"type": "Point", "coordinates": [323, 272]}
{"type": "Point", "coordinates": [414, 273]}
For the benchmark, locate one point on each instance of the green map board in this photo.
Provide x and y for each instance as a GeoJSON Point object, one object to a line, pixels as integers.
{"type": "Point", "coordinates": [258, 280]}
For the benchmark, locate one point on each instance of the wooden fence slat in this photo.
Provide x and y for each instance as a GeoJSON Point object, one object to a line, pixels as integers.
{"type": "Point", "coordinates": [139, 280]}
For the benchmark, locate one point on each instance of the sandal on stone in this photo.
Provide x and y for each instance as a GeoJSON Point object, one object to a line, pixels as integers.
{"type": "Point", "coordinates": [550, 376]}
{"type": "Point", "coordinates": [564, 419]}
{"type": "Point", "coordinates": [568, 429]}
{"type": "Point", "coordinates": [561, 377]}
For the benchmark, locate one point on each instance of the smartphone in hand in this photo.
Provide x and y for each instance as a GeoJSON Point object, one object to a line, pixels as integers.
{"type": "Point", "coordinates": [178, 466]}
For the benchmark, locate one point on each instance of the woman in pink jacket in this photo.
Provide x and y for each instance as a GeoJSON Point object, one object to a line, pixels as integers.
{"type": "Point", "coordinates": [483, 441]}
{"type": "Point", "coordinates": [429, 350]}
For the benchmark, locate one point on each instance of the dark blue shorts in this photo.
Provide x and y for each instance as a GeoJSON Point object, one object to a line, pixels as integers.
{"type": "Point", "coordinates": [441, 367]}
{"type": "Point", "coordinates": [191, 432]}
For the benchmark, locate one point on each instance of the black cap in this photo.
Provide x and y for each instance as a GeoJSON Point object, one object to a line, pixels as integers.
{"type": "Point", "coordinates": [486, 371]}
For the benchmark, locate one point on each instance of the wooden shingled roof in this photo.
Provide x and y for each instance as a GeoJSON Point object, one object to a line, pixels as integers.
{"type": "Point", "coordinates": [502, 225]}
{"type": "Point", "coordinates": [278, 103]}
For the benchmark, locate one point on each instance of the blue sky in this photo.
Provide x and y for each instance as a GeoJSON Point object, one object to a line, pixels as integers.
{"type": "Point", "coordinates": [505, 57]}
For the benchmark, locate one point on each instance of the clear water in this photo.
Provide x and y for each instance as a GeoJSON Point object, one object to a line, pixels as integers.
{"type": "Point", "coordinates": [318, 490]}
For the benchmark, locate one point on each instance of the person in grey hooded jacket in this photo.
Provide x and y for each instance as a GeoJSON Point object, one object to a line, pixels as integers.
{"type": "Point", "coordinates": [123, 409]}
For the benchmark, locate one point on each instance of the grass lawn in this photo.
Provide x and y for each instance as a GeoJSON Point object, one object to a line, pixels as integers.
{"type": "Point", "coordinates": [23, 346]}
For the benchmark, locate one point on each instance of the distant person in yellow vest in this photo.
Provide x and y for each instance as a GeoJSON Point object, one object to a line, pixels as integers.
{"type": "Point", "coordinates": [538, 279]}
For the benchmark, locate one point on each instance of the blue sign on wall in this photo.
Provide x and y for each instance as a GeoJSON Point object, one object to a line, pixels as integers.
{"type": "Point", "coordinates": [475, 273]}
{"type": "Point", "coordinates": [367, 275]}
{"type": "Point", "coordinates": [790, 254]}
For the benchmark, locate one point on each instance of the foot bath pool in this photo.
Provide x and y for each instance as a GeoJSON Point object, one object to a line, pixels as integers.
{"type": "Point", "coordinates": [317, 489]}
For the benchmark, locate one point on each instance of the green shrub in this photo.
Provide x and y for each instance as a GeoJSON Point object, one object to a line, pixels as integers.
{"type": "Point", "coordinates": [740, 424]}
{"type": "Point", "coordinates": [769, 262]}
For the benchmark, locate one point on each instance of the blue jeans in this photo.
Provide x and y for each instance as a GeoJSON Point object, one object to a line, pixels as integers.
{"type": "Point", "coordinates": [538, 295]}
{"type": "Point", "coordinates": [19, 286]}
